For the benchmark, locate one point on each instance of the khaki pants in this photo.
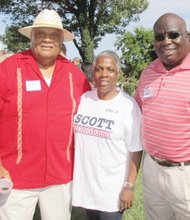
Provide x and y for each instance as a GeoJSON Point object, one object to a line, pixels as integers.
{"type": "Point", "coordinates": [166, 191]}
{"type": "Point", "coordinates": [54, 203]}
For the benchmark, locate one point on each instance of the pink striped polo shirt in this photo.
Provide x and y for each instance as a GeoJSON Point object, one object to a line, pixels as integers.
{"type": "Point", "coordinates": [164, 98]}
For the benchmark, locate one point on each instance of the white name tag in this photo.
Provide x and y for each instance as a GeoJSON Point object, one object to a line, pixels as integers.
{"type": "Point", "coordinates": [147, 92]}
{"type": "Point", "coordinates": [33, 85]}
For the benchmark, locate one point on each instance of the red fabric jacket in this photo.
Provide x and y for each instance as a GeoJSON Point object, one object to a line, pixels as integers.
{"type": "Point", "coordinates": [36, 120]}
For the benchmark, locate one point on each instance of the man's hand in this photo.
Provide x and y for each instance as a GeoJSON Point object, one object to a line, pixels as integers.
{"type": "Point", "coordinates": [4, 173]}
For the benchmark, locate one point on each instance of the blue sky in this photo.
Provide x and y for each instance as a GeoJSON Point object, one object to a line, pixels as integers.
{"type": "Point", "coordinates": [147, 19]}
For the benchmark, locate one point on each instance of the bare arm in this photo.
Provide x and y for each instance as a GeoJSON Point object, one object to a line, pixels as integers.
{"type": "Point", "coordinates": [127, 192]}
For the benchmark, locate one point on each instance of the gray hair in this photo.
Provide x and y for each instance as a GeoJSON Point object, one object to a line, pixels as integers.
{"type": "Point", "coordinates": [109, 53]}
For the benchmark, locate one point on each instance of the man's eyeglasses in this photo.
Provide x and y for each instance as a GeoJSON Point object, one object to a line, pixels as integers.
{"type": "Point", "coordinates": [170, 35]}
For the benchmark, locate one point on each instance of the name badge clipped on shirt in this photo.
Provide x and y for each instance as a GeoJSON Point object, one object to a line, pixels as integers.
{"type": "Point", "coordinates": [147, 93]}
{"type": "Point", "coordinates": [33, 85]}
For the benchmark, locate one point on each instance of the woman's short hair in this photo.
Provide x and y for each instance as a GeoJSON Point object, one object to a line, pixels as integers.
{"type": "Point", "coordinates": [107, 53]}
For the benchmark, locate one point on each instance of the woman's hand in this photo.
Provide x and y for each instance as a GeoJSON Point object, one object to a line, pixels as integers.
{"type": "Point", "coordinates": [126, 199]}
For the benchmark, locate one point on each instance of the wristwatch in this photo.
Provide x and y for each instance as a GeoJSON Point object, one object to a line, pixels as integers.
{"type": "Point", "coordinates": [129, 186]}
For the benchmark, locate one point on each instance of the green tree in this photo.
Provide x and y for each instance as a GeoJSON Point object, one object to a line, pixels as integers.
{"type": "Point", "coordinates": [90, 20]}
{"type": "Point", "coordinates": [14, 41]}
{"type": "Point", "coordinates": [137, 52]}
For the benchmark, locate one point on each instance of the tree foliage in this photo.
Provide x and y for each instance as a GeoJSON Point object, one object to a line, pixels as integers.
{"type": "Point", "coordinates": [14, 41]}
{"type": "Point", "coordinates": [90, 20]}
{"type": "Point", "coordinates": [137, 52]}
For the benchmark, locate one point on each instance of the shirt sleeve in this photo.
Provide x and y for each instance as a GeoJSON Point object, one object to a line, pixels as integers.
{"type": "Point", "coordinates": [136, 142]}
{"type": "Point", "coordinates": [2, 87]}
{"type": "Point", "coordinates": [137, 94]}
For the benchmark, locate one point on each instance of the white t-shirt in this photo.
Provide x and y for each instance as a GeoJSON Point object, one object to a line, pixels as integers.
{"type": "Point", "coordinates": [105, 132]}
{"type": "Point", "coordinates": [48, 80]}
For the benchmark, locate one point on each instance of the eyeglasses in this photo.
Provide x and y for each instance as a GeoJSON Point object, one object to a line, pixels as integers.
{"type": "Point", "coordinates": [170, 35]}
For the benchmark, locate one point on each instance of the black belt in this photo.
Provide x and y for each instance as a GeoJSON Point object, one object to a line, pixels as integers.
{"type": "Point", "coordinates": [167, 163]}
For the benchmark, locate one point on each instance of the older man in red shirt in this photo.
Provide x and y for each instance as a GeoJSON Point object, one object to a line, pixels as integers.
{"type": "Point", "coordinates": [39, 94]}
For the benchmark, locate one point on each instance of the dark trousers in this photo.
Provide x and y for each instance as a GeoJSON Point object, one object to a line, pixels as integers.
{"type": "Point", "coordinates": [100, 215]}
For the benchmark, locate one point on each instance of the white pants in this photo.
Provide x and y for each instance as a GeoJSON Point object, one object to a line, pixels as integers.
{"type": "Point", "coordinates": [166, 191]}
{"type": "Point", "coordinates": [54, 202]}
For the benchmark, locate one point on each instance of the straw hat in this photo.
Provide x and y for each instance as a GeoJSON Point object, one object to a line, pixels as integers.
{"type": "Point", "coordinates": [47, 18]}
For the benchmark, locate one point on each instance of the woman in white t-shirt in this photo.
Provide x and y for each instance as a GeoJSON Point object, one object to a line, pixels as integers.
{"type": "Point", "coordinates": [108, 146]}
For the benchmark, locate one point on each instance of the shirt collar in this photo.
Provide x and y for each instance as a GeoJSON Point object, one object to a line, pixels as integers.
{"type": "Point", "coordinates": [159, 67]}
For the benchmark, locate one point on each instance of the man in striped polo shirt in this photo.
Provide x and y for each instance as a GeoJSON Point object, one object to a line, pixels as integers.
{"type": "Point", "coordinates": [163, 94]}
